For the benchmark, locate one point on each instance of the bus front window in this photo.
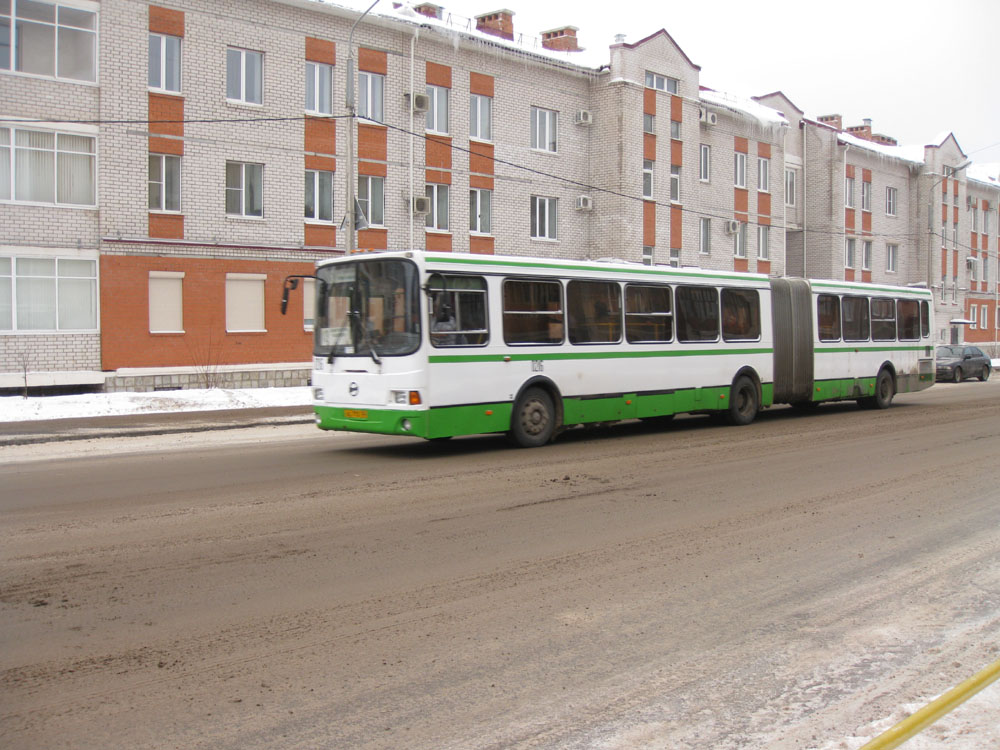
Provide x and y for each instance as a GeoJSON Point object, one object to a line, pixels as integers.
{"type": "Point", "coordinates": [368, 308]}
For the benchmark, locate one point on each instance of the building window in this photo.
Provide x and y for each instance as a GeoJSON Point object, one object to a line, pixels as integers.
{"type": "Point", "coordinates": [371, 199]}
{"type": "Point", "coordinates": [705, 163]}
{"type": "Point", "coordinates": [866, 255]}
{"type": "Point", "coordinates": [164, 62]}
{"type": "Point", "coordinates": [437, 109]}
{"type": "Point", "coordinates": [675, 257]}
{"type": "Point", "coordinates": [986, 222]}
{"type": "Point", "coordinates": [544, 125]}
{"type": "Point", "coordinates": [740, 240]}
{"type": "Point", "coordinates": [705, 236]}
{"type": "Point", "coordinates": [740, 175]}
{"type": "Point", "coordinates": [48, 294]}
{"type": "Point", "coordinates": [437, 217]}
{"type": "Point", "coordinates": [647, 178]}
{"type": "Point", "coordinates": [973, 317]}
{"type": "Point", "coordinates": [244, 76]}
{"type": "Point", "coordinates": [39, 166]}
{"type": "Point", "coordinates": [890, 201]}
{"type": "Point", "coordinates": [164, 182]}
{"type": "Point", "coordinates": [244, 189]}
{"type": "Point", "coordinates": [891, 257]}
{"type": "Point", "coordinates": [975, 218]}
{"type": "Point", "coordinates": [649, 123]}
{"type": "Point", "coordinates": [371, 90]}
{"type": "Point", "coordinates": [481, 117]}
{"type": "Point", "coordinates": [849, 253]}
{"type": "Point", "coordinates": [166, 302]}
{"type": "Point", "coordinates": [647, 255]}
{"type": "Point", "coordinates": [319, 88]}
{"type": "Point", "coordinates": [544, 217]}
{"type": "Point", "coordinates": [763, 175]}
{"type": "Point", "coordinates": [675, 184]}
{"type": "Point", "coordinates": [480, 211]}
{"type": "Point", "coordinates": [675, 130]}
{"type": "Point", "coordinates": [661, 83]}
{"type": "Point", "coordinates": [849, 192]}
{"type": "Point", "coordinates": [319, 195]}
{"type": "Point", "coordinates": [790, 187]}
{"type": "Point", "coordinates": [866, 196]}
{"type": "Point", "coordinates": [984, 317]}
{"type": "Point", "coordinates": [986, 268]}
{"type": "Point", "coordinates": [973, 267]}
{"type": "Point", "coordinates": [245, 302]}
{"type": "Point", "coordinates": [52, 40]}
{"type": "Point", "coordinates": [763, 242]}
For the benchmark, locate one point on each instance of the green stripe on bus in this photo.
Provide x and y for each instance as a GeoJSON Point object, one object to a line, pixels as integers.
{"type": "Point", "coordinates": [539, 356]}
{"type": "Point", "coordinates": [861, 349]}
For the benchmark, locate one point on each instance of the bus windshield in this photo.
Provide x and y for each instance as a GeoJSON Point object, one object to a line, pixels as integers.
{"type": "Point", "coordinates": [367, 308]}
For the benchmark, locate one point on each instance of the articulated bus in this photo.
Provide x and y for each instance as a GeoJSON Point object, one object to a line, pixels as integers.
{"type": "Point", "coordinates": [437, 345]}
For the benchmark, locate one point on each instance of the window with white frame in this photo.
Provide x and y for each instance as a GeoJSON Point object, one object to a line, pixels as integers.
{"type": "Point", "coordinates": [544, 129]}
{"type": "Point", "coordinates": [975, 218]}
{"type": "Point", "coordinates": [41, 166]}
{"type": "Point", "coordinates": [661, 83]}
{"type": "Point", "coordinates": [371, 94]}
{"type": "Point", "coordinates": [705, 163]}
{"type": "Point", "coordinates": [544, 217]}
{"type": "Point", "coordinates": [984, 317]}
{"type": "Point", "coordinates": [319, 195]}
{"type": "Point", "coordinates": [481, 117]}
{"type": "Point", "coordinates": [891, 258]}
{"type": "Point", "coordinates": [849, 192]}
{"type": "Point", "coordinates": [890, 201]}
{"type": "Point", "coordinates": [647, 178]}
{"type": "Point", "coordinates": [866, 255]}
{"type": "Point", "coordinates": [48, 294]}
{"type": "Point", "coordinates": [49, 39]}
{"type": "Point", "coordinates": [649, 123]}
{"type": "Point", "coordinates": [244, 76]}
{"type": "Point", "coordinates": [705, 236]}
{"type": "Point", "coordinates": [675, 184]}
{"type": "Point", "coordinates": [763, 242]}
{"type": "Point", "coordinates": [790, 182]}
{"type": "Point", "coordinates": [763, 175]}
{"type": "Point", "coordinates": [164, 62]}
{"type": "Point", "coordinates": [986, 222]}
{"type": "Point", "coordinates": [973, 268]}
{"type": "Point", "coordinates": [480, 211]}
{"type": "Point", "coordinates": [164, 182]}
{"type": "Point", "coordinates": [675, 130]}
{"type": "Point", "coordinates": [675, 257]}
{"type": "Point", "coordinates": [740, 240]}
{"type": "Point", "coordinates": [166, 302]}
{"type": "Point", "coordinates": [319, 88]}
{"type": "Point", "coordinates": [740, 171]}
{"type": "Point", "coordinates": [647, 255]}
{"type": "Point", "coordinates": [371, 199]}
{"type": "Point", "coordinates": [986, 268]}
{"type": "Point", "coordinates": [437, 109]}
{"type": "Point", "coordinates": [245, 302]}
{"type": "Point", "coordinates": [849, 252]}
{"type": "Point", "coordinates": [973, 317]}
{"type": "Point", "coordinates": [244, 189]}
{"type": "Point", "coordinates": [437, 217]}
{"type": "Point", "coordinates": [866, 196]}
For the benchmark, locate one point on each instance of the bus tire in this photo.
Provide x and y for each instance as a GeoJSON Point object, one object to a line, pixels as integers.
{"type": "Point", "coordinates": [884, 390]}
{"type": "Point", "coordinates": [533, 422]}
{"type": "Point", "coordinates": [744, 403]}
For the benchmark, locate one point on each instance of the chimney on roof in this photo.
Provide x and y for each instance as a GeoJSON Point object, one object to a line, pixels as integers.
{"type": "Point", "coordinates": [864, 132]}
{"type": "Point", "coordinates": [498, 23]}
{"type": "Point", "coordinates": [563, 38]}
{"type": "Point", "coordinates": [429, 9]}
{"type": "Point", "coordinates": [835, 121]}
{"type": "Point", "coordinates": [885, 140]}
{"type": "Point", "coordinates": [619, 39]}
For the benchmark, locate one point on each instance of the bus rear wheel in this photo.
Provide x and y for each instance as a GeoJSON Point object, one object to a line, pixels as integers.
{"type": "Point", "coordinates": [743, 402]}
{"type": "Point", "coordinates": [534, 420]}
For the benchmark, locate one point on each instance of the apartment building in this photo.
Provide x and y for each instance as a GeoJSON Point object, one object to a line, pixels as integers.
{"type": "Point", "coordinates": [165, 165]}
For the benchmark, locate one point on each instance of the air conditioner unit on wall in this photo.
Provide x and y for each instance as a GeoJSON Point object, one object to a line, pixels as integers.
{"type": "Point", "coordinates": [421, 102]}
{"type": "Point", "coordinates": [732, 226]}
{"type": "Point", "coordinates": [584, 117]}
{"type": "Point", "coordinates": [421, 204]}
{"type": "Point", "coordinates": [584, 203]}
{"type": "Point", "coordinates": [709, 118]}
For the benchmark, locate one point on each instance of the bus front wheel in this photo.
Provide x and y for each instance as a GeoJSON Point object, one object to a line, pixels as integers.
{"type": "Point", "coordinates": [534, 419]}
{"type": "Point", "coordinates": [743, 401]}
{"type": "Point", "coordinates": [885, 389]}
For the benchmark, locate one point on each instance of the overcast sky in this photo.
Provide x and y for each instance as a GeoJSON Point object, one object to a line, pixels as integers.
{"type": "Point", "coordinates": [917, 68]}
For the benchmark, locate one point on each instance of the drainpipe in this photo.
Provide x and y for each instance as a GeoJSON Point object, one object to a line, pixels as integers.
{"type": "Point", "coordinates": [805, 203]}
{"type": "Point", "coordinates": [413, 44]}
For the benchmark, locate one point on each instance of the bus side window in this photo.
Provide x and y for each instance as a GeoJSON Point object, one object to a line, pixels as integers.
{"type": "Point", "coordinates": [828, 317]}
{"type": "Point", "coordinates": [532, 311]}
{"type": "Point", "coordinates": [908, 319]}
{"type": "Point", "coordinates": [458, 312]}
{"type": "Point", "coordinates": [925, 319]}
{"type": "Point", "coordinates": [855, 316]}
{"type": "Point", "coordinates": [740, 315]}
{"type": "Point", "coordinates": [594, 312]}
{"type": "Point", "coordinates": [649, 317]}
{"type": "Point", "coordinates": [883, 319]}
{"type": "Point", "coordinates": [697, 313]}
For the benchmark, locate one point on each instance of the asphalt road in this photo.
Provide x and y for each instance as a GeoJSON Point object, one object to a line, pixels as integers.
{"type": "Point", "coordinates": [790, 584]}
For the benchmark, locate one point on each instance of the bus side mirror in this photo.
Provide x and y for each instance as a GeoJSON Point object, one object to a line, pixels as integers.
{"type": "Point", "coordinates": [290, 284]}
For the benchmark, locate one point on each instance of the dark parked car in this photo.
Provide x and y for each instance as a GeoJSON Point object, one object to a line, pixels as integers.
{"type": "Point", "coordinates": [956, 363]}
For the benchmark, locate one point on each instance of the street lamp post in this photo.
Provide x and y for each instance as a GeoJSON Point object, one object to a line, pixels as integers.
{"type": "Point", "coordinates": [351, 116]}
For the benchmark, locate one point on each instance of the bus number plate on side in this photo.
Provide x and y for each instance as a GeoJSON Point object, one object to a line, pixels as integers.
{"type": "Point", "coordinates": [537, 365]}
{"type": "Point", "coordinates": [356, 413]}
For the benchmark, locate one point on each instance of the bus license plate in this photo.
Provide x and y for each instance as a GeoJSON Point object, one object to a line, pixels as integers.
{"type": "Point", "coordinates": [356, 413]}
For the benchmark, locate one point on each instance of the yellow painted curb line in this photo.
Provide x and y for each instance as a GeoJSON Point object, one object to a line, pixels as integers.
{"type": "Point", "coordinates": [934, 710]}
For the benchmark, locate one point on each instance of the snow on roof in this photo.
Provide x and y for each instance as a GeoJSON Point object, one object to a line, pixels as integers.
{"type": "Point", "coordinates": [911, 154]}
{"type": "Point", "coordinates": [987, 173]}
{"type": "Point", "coordinates": [744, 106]}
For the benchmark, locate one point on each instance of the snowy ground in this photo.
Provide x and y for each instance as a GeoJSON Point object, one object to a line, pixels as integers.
{"type": "Point", "coordinates": [19, 409]}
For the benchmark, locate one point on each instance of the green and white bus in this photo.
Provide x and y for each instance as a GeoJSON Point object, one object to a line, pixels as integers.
{"type": "Point", "coordinates": [436, 345]}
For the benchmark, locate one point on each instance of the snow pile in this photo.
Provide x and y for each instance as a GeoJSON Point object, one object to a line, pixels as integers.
{"type": "Point", "coordinates": [912, 154]}
{"type": "Point", "coordinates": [20, 409]}
{"type": "Point", "coordinates": [743, 105]}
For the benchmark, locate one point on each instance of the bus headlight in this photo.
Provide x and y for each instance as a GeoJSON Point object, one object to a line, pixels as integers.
{"type": "Point", "coordinates": [317, 394]}
{"type": "Point", "coordinates": [410, 398]}
{"type": "Point", "coordinates": [398, 397]}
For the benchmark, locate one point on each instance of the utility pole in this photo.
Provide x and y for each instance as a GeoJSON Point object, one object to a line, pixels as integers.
{"type": "Point", "coordinates": [351, 105]}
